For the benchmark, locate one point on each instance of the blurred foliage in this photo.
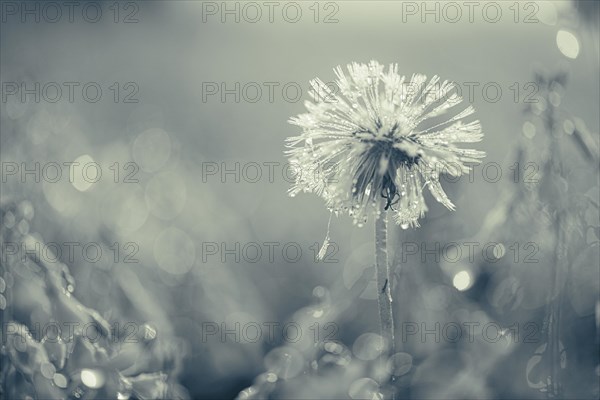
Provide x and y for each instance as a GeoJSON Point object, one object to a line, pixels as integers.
{"type": "Point", "coordinates": [81, 354]}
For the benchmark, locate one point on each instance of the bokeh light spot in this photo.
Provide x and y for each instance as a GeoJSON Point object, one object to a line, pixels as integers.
{"type": "Point", "coordinates": [151, 149]}
{"type": "Point", "coordinates": [546, 12]}
{"type": "Point", "coordinates": [399, 364]}
{"type": "Point", "coordinates": [92, 378]}
{"type": "Point", "coordinates": [462, 280]}
{"type": "Point", "coordinates": [499, 250]}
{"type": "Point", "coordinates": [529, 130]}
{"type": "Point", "coordinates": [174, 251]}
{"type": "Point", "coordinates": [369, 346]}
{"type": "Point", "coordinates": [166, 194]}
{"type": "Point", "coordinates": [84, 173]}
{"type": "Point", "coordinates": [124, 209]}
{"type": "Point", "coordinates": [567, 44]}
{"type": "Point", "coordinates": [60, 380]}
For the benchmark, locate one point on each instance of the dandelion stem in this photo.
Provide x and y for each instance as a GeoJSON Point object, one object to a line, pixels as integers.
{"type": "Point", "coordinates": [384, 278]}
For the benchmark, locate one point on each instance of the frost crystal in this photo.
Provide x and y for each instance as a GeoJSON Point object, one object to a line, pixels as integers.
{"type": "Point", "coordinates": [381, 136]}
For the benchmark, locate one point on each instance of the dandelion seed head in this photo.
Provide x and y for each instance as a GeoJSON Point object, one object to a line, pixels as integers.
{"type": "Point", "coordinates": [380, 139]}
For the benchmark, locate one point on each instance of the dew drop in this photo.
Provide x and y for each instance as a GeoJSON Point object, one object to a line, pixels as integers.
{"type": "Point", "coordinates": [286, 361]}
{"type": "Point", "coordinates": [319, 291]}
{"type": "Point", "coordinates": [333, 347]}
{"type": "Point", "coordinates": [248, 393]}
{"type": "Point", "coordinates": [271, 377]}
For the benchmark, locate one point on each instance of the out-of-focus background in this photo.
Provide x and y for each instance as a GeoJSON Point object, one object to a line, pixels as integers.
{"type": "Point", "coordinates": [178, 110]}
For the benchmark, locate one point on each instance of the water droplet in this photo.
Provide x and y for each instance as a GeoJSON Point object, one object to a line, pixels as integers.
{"type": "Point", "coordinates": [404, 226]}
{"type": "Point", "coordinates": [150, 332]}
{"type": "Point", "coordinates": [285, 361]}
{"type": "Point", "coordinates": [319, 291]}
{"type": "Point", "coordinates": [248, 393]}
{"type": "Point", "coordinates": [333, 347]}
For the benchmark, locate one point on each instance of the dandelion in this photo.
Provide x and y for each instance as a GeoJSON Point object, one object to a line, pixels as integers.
{"type": "Point", "coordinates": [381, 137]}
{"type": "Point", "coordinates": [373, 144]}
